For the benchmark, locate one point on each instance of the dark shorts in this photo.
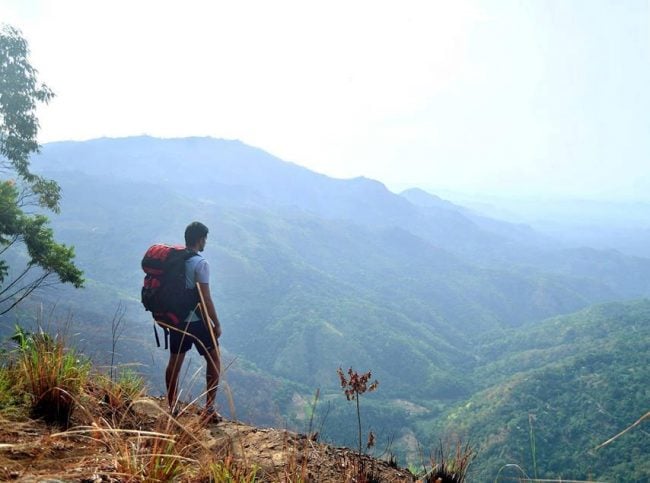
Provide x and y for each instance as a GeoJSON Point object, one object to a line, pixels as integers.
{"type": "Point", "coordinates": [180, 342]}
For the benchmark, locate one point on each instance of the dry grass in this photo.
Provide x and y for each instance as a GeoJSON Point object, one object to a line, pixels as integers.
{"type": "Point", "coordinates": [50, 374]}
{"type": "Point", "coordinates": [450, 465]}
{"type": "Point", "coordinates": [114, 399]}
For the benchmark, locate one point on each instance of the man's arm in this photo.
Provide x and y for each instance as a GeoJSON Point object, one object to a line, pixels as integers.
{"type": "Point", "coordinates": [209, 305]}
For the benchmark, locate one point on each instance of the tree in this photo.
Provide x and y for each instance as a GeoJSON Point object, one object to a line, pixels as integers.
{"type": "Point", "coordinates": [21, 190]}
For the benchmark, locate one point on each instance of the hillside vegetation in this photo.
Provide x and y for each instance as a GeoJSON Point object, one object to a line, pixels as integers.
{"type": "Point", "coordinates": [553, 393]}
{"type": "Point", "coordinates": [461, 317]}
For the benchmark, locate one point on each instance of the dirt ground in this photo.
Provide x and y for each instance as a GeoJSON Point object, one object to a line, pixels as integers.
{"type": "Point", "coordinates": [30, 451]}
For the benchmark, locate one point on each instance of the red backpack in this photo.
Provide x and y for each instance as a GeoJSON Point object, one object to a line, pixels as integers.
{"type": "Point", "coordinates": [163, 292]}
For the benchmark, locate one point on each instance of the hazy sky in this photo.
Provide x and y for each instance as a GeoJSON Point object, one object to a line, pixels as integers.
{"type": "Point", "coordinates": [510, 97]}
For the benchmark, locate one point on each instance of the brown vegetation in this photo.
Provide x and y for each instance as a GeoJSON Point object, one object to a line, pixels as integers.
{"type": "Point", "coordinates": [166, 449]}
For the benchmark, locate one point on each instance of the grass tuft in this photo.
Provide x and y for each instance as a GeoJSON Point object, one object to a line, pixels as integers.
{"type": "Point", "coordinates": [450, 466]}
{"type": "Point", "coordinates": [115, 398]}
{"type": "Point", "coordinates": [52, 375]}
{"type": "Point", "coordinates": [231, 471]}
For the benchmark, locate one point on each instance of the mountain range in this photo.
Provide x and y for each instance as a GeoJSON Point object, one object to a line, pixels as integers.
{"type": "Point", "coordinates": [460, 316]}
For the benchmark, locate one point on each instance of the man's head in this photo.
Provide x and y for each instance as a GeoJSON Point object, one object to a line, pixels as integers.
{"type": "Point", "coordinates": [196, 235]}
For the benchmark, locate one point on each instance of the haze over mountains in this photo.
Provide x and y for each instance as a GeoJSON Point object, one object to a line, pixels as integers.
{"type": "Point", "coordinates": [445, 305]}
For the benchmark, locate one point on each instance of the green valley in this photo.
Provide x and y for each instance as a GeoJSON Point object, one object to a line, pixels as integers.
{"type": "Point", "coordinates": [463, 319]}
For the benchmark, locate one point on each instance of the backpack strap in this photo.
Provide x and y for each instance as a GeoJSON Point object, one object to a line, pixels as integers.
{"type": "Point", "coordinates": [155, 331]}
{"type": "Point", "coordinates": [166, 332]}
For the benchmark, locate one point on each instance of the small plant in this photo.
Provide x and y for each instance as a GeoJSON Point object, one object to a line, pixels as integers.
{"type": "Point", "coordinates": [353, 387]}
{"type": "Point", "coordinates": [131, 383]}
{"type": "Point", "coordinates": [51, 374]}
{"type": "Point", "coordinates": [117, 329]}
{"type": "Point", "coordinates": [114, 398]}
{"type": "Point", "coordinates": [448, 467]}
{"type": "Point", "coordinates": [7, 393]}
{"type": "Point", "coordinates": [312, 411]}
{"type": "Point", "coordinates": [231, 471]}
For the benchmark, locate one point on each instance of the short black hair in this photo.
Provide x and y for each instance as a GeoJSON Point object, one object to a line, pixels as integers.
{"type": "Point", "coordinates": [194, 232]}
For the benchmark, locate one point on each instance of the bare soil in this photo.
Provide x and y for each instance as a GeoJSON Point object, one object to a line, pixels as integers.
{"type": "Point", "coordinates": [31, 451]}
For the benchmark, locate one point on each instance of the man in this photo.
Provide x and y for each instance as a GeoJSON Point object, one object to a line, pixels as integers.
{"type": "Point", "coordinates": [194, 330]}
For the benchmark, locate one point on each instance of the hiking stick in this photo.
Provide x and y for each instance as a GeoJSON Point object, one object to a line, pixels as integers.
{"type": "Point", "coordinates": [216, 364]}
{"type": "Point", "coordinates": [210, 396]}
{"type": "Point", "coordinates": [206, 317]}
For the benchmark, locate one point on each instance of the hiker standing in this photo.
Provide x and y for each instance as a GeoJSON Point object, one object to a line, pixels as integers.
{"type": "Point", "coordinates": [194, 330]}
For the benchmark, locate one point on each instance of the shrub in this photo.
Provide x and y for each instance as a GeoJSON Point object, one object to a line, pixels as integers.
{"type": "Point", "coordinates": [51, 375]}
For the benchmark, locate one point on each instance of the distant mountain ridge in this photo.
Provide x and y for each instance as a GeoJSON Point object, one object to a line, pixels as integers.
{"type": "Point", "coordinates": [419, 197]}
{"type": "Point", "coordinates": [212, 163]}
{"type": "Point", "coordinates": [234, 174]}
{"type": "Point", "coordinates": [230, 173]}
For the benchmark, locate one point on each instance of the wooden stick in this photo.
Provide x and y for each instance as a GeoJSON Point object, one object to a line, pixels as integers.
{"type": "Point", "coordinates": [206, 318]}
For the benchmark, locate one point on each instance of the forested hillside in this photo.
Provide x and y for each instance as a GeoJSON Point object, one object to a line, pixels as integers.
{"type": "Point", "coordinates": [311, 273]}
{"type": "Point", "coordinates": [556, 391]}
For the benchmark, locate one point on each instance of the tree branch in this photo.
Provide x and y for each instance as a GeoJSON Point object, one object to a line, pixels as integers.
{"type": "Point", "coordinates": [16, 280]}
{"type": "Point", "coordinates": [27, 290]}
{"type": "Point", "coordinates": [9, 244]}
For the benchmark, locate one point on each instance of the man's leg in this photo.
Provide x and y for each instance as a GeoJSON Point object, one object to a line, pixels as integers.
{"type": "Point", "coordinates": [171, 376]}
{"type": "Point", "coordinates": [212, 372]}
